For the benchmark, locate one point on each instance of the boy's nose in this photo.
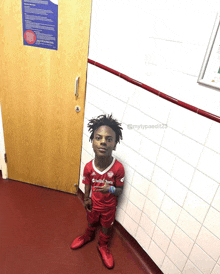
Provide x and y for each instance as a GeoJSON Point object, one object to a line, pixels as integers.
{"type": "Point", "coordinates": [103, 141]}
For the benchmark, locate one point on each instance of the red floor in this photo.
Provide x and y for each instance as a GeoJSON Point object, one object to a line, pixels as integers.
{"type": "Point", "coordinates": [37, 227]}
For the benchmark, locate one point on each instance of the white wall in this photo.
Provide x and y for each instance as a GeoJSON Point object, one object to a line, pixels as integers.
{"type": "Point", "coordinates": [171, 199]}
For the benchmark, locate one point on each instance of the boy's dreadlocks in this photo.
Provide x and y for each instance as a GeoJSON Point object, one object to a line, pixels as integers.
{"type": "Point", "coordinates": [103, 120]}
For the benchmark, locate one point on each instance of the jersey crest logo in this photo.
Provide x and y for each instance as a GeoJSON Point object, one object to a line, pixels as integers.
{"type": "Point", "coordinates": [93, 174]}
{"type": "Point", "coordinates": [110, 174]}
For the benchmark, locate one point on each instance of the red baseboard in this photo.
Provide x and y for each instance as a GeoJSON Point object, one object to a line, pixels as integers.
{"type": "Point", "coordinates": [146, 262]}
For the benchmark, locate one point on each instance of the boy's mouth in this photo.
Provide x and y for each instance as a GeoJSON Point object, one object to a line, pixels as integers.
{"type": "Point", "coordinates": [102, 149]}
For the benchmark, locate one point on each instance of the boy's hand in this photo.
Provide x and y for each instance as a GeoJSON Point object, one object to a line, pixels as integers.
{"type": "Point", "coordinates": [88, 205]}
{"type": "Point", "coordinates": [103, 189]}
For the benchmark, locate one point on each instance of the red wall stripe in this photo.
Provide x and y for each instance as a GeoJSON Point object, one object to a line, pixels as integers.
{"type": "Point", "coordinates": [157, 92]}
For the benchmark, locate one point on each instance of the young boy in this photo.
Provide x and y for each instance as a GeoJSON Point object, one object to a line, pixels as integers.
{"type": "Point", "coordinates": [105, 176]}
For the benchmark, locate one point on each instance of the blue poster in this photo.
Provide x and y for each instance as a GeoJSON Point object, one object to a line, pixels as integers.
{"type": "Point", "coordinates": [40, 23]}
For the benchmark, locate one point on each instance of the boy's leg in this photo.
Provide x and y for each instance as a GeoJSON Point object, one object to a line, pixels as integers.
{"type": "Point", "coordinates": [107, 221]}
{"type": "Point", "coordinates": [89, 234]}
{"type": "Point", "coordinates": [105, 236]}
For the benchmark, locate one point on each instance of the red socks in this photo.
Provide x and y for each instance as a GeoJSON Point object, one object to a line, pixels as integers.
{"type": "Point", "coordinates": [90, 230]}
{"type": "Point", "coordinates": [103, 239]}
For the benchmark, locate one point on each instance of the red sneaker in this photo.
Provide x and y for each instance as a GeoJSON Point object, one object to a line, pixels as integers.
{"type": "Point", "coordinates": [80, 241]}
{"type": "Point", "coordinates": [106, 256]}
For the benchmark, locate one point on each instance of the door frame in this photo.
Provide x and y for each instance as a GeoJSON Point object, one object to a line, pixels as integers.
{"type": "Point", "coordinates": [3, 164]}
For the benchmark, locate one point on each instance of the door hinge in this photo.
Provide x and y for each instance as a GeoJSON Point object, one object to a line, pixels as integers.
{"type": "Point", "coordinates": [6, 158]}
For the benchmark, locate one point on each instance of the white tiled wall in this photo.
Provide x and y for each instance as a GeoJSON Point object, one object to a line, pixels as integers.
{"type": "Point", "coordinates": [171, 198]}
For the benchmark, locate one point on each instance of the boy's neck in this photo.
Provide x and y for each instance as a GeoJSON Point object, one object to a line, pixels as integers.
{"type": "Point", "coordinates": [102, 163]}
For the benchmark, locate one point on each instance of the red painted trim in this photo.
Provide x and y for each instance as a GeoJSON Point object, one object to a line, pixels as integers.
{"type": "Point", "coordinates": [157, 92]}
{"type": "Point", "coordinates": [148, 265]}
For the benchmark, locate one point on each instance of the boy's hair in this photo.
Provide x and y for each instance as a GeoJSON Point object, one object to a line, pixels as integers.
{"type": "Point", "coordinates": [103, 120]}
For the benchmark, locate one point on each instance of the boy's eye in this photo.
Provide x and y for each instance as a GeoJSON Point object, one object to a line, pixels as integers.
{"type": "Point", "coordinates": [107, 139]}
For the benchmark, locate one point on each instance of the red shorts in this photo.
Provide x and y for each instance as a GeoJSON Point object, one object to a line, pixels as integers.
{"type": "Point", "coordinates": [106, 218]}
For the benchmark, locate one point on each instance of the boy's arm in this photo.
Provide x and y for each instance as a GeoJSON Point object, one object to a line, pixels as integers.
{"type": "Point", "coordinates": [119, 181]}
{"type": "Point", "coordinates": [118, 190]}
{"type": "Point", "coordinates": [87, 199]}
{"type": "Point", "coordinates": [87, 191]}
{"type": "Point", "coordinates": [106, 189]}
{"type": "Point", "coordinates": [86, 181]}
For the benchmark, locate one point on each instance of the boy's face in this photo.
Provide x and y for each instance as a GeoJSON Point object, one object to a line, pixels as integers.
{"type": "Point", "coordinates": [104, 141]}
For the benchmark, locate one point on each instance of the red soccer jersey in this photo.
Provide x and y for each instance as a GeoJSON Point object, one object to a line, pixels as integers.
{"type": "Point", "coordinates": [112, 175]}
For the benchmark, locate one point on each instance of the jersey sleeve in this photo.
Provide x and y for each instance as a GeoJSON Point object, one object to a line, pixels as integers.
{"type": "Point", "coordinates": [86, 176]}
{"type": "Point", "coordinates": [120, 176]}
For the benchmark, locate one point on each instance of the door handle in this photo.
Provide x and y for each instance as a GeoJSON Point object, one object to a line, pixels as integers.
{"type": "Point", "coordinates": [76, 87]}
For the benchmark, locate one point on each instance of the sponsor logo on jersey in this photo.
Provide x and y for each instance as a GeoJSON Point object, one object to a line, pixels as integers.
{"type": "Point", "coordinates": [122, 179]}
{"type": "Point", "coordinates": [102, 181]}
{"type": "Point", "coordinates": [110, 174]}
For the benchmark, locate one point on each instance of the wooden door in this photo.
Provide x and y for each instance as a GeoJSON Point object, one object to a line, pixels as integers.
{"type": "Point", "coordinates": [43, 132]}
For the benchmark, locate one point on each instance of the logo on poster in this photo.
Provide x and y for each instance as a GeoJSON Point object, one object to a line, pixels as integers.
{"type": "Point", "coordinates": [29, 36]}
